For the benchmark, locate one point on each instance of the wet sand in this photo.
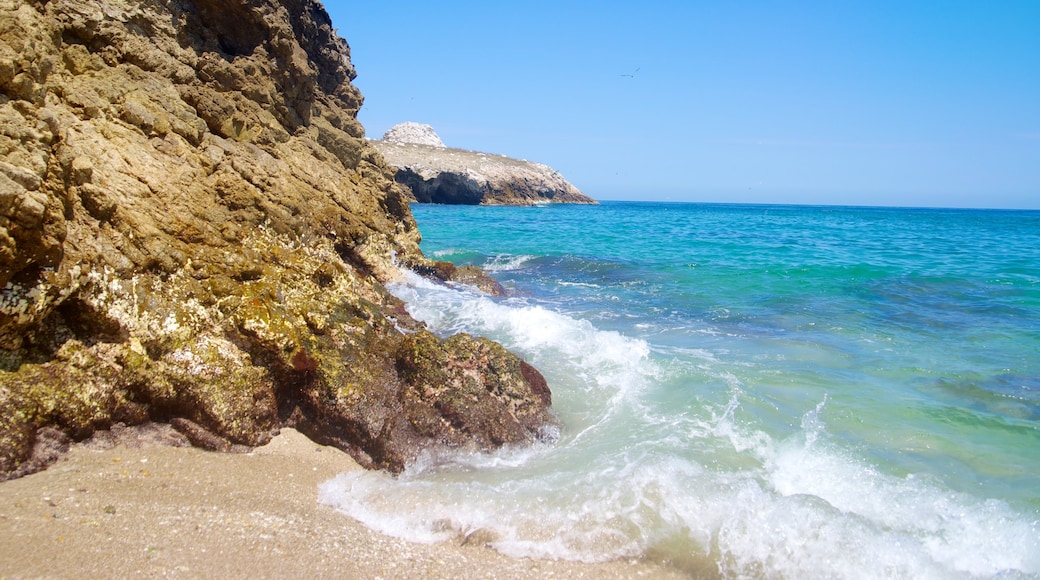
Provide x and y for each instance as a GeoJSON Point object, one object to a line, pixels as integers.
{"type": "Point", "coordinates": [155, 510]}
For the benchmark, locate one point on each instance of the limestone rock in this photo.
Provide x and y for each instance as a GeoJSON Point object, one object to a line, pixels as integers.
{"type": "Point", "coordinates": [193, 230]}
{"type": "Point", "coordinates": [436, 174]}
{"type": "Point", "coordinates": [416, 133]}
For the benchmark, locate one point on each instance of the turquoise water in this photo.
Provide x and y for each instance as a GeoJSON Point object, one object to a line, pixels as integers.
{"type": "Point", "coordinates": [746, 390]}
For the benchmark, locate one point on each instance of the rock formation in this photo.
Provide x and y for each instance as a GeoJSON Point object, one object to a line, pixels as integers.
{"type": "Point", "coordinates": [194, 230]}
{"type": "Point", "coordinates": [416, 133]}
{"type": "Point", "coordinates": [436, 174]}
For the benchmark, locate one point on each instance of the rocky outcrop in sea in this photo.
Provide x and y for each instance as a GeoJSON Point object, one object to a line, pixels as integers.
{"type": "Point", "coordinates": [194, 230]}
{"type": "Point", "coordinates": [434, 173]}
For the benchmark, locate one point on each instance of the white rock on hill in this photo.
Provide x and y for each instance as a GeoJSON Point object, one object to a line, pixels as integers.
{"type": "Point", "coordinates": [411, 132]}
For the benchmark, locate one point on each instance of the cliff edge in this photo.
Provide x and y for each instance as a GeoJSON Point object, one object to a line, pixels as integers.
{"type": "Point", "coordinates": [434, 173]}
{"type": "Point", "coordinates": [194, 230]}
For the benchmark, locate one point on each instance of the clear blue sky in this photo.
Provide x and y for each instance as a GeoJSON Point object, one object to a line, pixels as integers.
{"type": "Point", "coordinates": [908, 103]}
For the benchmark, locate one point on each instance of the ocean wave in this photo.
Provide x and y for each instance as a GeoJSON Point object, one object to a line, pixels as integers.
{"type": "Point", "coordinates": [662, 455]}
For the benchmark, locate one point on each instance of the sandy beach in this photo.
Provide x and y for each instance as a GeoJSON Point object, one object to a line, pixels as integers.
{"type": "Point", "coordinates": [156, 510]}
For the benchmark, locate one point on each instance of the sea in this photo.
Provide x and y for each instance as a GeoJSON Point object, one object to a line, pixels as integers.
{"type": "Point", "coordinates": [744, 391]}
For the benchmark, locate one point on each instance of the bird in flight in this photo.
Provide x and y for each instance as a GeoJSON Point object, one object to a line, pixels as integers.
{"type": "Point", "coordinates": [632, 75]}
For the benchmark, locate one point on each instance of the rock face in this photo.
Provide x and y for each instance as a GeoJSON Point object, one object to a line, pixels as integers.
{"type": "Point", "coordinates": [194, 230]}
{"type": "Point", "coordinates": [436, 174]}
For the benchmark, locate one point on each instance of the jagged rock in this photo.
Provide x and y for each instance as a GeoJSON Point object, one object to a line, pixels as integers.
{"type": "Point", "coordinates": [416, 133]}
{"type": "Point", "coordinates": [194, 230]}
{"type": "Point", "coordinates": [436, 174]}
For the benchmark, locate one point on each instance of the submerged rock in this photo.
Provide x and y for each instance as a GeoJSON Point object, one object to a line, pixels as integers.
{"type": "Point", "coordinates": [436, 174]}
{"type": "Point", "coordinates": [194, 230]}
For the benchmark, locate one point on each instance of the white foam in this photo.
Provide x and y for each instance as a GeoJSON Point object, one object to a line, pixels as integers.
{"type": "Point", "coordinates": [922, 520]}
{"type": "Point", "coordinates": [553, 514]}
{"type": "Point", "coordinates": [579, 284]}
{"type": "Point", "coordinates": [506, 263]}
{"type": "Point", "coordinates": [813, 510]}
{"type": "Point", "coordinates": [446, 252]}
{"type": "Point", "coordinates": [605, 367]}
{"type": "Point", "coordinates": [803, 513]}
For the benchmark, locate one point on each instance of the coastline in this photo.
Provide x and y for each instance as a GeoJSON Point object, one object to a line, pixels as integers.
{"type": "Point", "coordinates": [159, 510]}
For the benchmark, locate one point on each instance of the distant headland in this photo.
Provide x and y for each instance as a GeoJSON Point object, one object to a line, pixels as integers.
{"type": "Point", "coordinates": [435, 173]}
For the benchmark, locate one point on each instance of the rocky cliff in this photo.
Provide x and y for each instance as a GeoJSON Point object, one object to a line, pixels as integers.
{"type": "Point", "coordinates": [194, 230]}
{"type": "Point", "coordinates": [436, 174]}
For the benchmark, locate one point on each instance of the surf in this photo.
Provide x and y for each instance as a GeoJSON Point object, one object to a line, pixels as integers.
{"type": "Point", "coordinates": [669, 453]}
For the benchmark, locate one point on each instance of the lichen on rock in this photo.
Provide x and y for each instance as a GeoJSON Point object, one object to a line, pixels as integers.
{"type": "Point", "coordinates": [194, 230]}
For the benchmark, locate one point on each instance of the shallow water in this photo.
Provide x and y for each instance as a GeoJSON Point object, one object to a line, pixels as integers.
{"type": "Point", "coordinates": [763, 391]}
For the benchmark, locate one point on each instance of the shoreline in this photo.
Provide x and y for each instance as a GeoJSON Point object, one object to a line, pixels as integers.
{"type": "Point", "coordinates": [158, 510]}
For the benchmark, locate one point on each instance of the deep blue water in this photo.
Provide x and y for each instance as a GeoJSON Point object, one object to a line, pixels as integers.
{"type": "Point", "coordinates": [747, 390]}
